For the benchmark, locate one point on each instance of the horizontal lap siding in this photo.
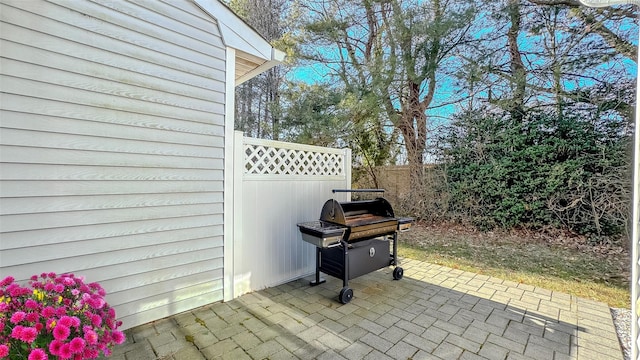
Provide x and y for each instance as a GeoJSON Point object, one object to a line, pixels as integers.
{"type": "Point", "coordinates": [111, 149]}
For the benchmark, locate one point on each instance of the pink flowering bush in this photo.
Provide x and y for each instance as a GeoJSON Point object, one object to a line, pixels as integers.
{"type": "Point", "coordinates": [56, 317]}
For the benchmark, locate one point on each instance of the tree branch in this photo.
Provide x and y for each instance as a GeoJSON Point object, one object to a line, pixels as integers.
{"type": "Point", "coordinates": [570, 3]}
{"type": "Point", "coordinates": [597, 26]}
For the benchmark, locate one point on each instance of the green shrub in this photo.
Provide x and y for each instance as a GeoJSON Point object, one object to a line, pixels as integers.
{"type": "Point", "coordinates": [566, 171]}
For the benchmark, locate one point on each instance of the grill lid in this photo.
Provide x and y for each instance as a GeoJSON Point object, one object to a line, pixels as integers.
{"type": "Point", "coordinates": [353, 221]}
{"type": "Point", "coordinates": [357, 213]}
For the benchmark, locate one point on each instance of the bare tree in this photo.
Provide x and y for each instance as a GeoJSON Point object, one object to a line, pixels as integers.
{"type": "Point", "coordinates": [258, 105]}
{"type": "Point", "coordinates": [597, 21]}
{"type": "Point", "coordinates": [560, 63]}
{"type": "Point", "coordinates": [390, 54]}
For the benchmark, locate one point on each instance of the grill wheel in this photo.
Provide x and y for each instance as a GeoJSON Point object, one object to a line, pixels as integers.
{"type": "Point", "coordinates": [346, 294]}
{"type": "Point", "coordinates": [398, 273]}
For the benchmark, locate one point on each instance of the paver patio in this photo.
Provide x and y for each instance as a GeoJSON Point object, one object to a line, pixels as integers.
{"type": "Point", "coordinates": [434, 312]}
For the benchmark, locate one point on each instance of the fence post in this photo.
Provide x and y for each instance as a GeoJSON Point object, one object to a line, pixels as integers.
{"type": "Point", "coordinates": [238, 176]}
{"type": "Point", "coordinates": [347, 171]}
{"type": "Point", "coordinates": [228, 183]}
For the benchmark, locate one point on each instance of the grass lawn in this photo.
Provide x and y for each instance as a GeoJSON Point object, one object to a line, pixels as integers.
{"type": "Point", "coordinates": [570, 265]}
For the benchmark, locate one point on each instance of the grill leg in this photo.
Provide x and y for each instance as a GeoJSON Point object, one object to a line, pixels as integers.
{"type": "Point", "coordinates": [394, 259]}
{"type": "Point", "coordinates": [318, 279]}
{"type": "Point", "coordinates": [345, 276]}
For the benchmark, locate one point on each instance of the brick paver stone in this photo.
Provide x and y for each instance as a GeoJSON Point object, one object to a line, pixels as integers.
{"type": "Point", "coordinates": [218, 349]}
{"type": "Point", "coordinates": [402, 350]}
{"type": "Point", "coordinates": [377, 355]}
{"type": "Point", "coordinates": [356, 350]}
{"type": "Point", "coordinates": [329, 355]}
{"type": "Point", "coordinates": [433, 313]}
{"type": "Point", "coordinates": [310, 351]}
{"type": "Point", "coordinates": [420, 342]}
{"type": "Point", "coordinates": [493, 352]}
{"type": "Point", "coordinates": [189, 353]}
{"type": "Point", "coordinates": [246, 340]}
{"type": "Point", "coordinates": [371, 326]}
{"type": "Point", "coordinates": [236, 354]}
{"type": "Point", "coordinates": [448, 351]}
{"type": "Point", "coordinates": [394, 334]}
{"type": "Point", "coordinates": [160, 339]}
{"type": "Point", "coordinates": [538, 352]}
{"type": "Point", "coordinates": [283, 355]}
{"type": "Point", "coordinates": [266, 349]}
{"type": "Point", "coordinates": [333, 341]}
{"type": "Point", "coordinates": [271, 332]}
{"type": "Point", "coordinates": [471, 356]}
{"type": "Point", "coordinates": [376, 342]}
{"type": "Point", "coordinates": [142, 350]}
{"type": "Point", "coordinates": [463, 343]}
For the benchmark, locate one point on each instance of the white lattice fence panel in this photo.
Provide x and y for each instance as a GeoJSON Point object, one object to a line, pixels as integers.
{"type": "Point", "coordinates": [268, 160]}
{"type": "Point", "coordinates": [278, 185]}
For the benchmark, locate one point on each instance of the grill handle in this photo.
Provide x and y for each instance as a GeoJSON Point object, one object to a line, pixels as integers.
{"type": "Point", "coordinates": [356, 190]}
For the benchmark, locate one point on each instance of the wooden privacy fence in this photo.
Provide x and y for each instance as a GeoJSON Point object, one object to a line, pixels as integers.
{"type": "Point", "coordinates": [276, 186]}
{"type": "Point", "coordinates": [395, 179]}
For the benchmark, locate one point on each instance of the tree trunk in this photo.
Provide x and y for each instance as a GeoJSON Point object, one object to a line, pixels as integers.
{"type": "Point", "coordinates": [518, 71]}
{"type": "Point", "coordinates": [414, 131]}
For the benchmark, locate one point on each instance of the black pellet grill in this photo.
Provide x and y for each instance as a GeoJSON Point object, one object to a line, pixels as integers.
{"type": "Point", "coordinates": [352, 239]}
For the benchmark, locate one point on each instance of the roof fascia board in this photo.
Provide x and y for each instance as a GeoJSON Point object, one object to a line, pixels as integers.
{"type": "Point", "coordinates": [235, 32]}
{"type": "Point", "coordinates": [277, 58]}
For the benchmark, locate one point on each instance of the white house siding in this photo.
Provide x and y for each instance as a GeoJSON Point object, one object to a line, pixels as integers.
{"type": "Point", "coordinates": [111, 149]}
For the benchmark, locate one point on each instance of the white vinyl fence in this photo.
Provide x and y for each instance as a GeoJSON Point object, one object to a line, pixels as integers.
{"type": "Point", "coordinates": [276, 186]}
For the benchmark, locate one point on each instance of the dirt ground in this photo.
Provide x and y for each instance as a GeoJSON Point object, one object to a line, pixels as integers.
{"type": "Point", "coordinates": [570, 255]}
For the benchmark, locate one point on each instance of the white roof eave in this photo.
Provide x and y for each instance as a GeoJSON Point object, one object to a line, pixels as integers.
{"type": "Point", "coordinates": [277, 58]}
{"type": "Point", "coordinates": [235, 32]}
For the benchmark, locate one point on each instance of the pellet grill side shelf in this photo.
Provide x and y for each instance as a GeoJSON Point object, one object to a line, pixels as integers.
{"type": "Point", "coordinates": [352, 239]}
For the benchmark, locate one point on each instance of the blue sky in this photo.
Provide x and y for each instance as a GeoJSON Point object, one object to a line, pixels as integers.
{"type": "Point", "coordinates": [317, 73]}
